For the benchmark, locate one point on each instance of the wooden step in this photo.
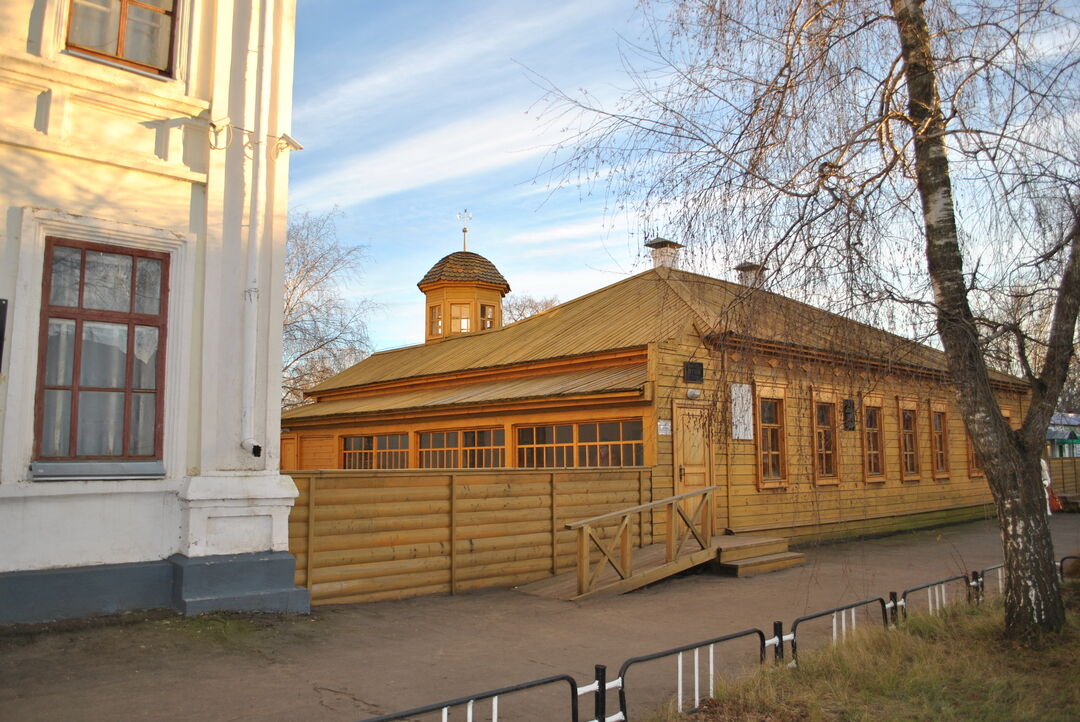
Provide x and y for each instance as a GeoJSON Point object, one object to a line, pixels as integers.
{"type": "Point", "coordinates": [761, 548]}
{"type": "Point", "coordinates": [763, 564]}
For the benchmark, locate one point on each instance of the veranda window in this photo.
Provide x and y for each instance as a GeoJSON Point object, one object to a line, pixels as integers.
{"type": "Point", "coordinates": [465, 449]}
{"type": "Point", "coordinates": [376, 451]}
{"type": "Point", "coordinates": [138, 33]}
{"type": "Point", "coordinates": [102, 353]}
{"type": "Point", "coordinates": [602, 443]}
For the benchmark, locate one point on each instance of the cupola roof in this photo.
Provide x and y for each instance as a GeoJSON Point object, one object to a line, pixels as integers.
{"type": "Point", "coordinates": [465, 266]}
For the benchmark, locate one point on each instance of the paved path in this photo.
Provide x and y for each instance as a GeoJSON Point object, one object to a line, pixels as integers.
{"type": "Point", "coordinates": [349, 662]}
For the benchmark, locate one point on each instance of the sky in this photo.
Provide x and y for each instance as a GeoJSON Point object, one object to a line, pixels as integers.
{"type": "Point", "coordinates": [412, 111]}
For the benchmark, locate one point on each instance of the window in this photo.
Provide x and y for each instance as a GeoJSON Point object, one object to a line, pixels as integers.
{"type": "Point", "coordinates": [467, 449]}
{"type": "Point", "coordinates": [435, 321]}
{"type": "Point", "coordinates": [603, 443]}
{"type": "Point", "coordinates": [771, 439]}
{"type": "Point", "coordinates": [487, 316]}
{"type": "Point", "coordinates": [825, 440]}
{"type": "Point", "coordinates": [872, 430]}
{"type": "Point", "coordinates": [139, 33]}
{"type": "Point", "coordinates": [975, 466]}
{"type": "Point", "coordinates": [102, 353]}
{"type": "Point", "coordinates": [909, 443]}
{"type": "Point", "coordinates": [459, 318]}
{"type": "Point", "coordinates": [939, 442]}
{"type": "Point", "coordinates": [382, 451]}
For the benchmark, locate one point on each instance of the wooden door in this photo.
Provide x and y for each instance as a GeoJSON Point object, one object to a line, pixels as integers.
{"type": "Point", "coordinates": [693, 449]}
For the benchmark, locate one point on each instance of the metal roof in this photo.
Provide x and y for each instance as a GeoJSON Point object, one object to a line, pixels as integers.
{"type": "Point", "coordinates": [570, 384]}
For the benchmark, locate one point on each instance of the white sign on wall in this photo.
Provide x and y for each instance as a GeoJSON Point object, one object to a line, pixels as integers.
{"type": "Point", "coordinates": [663, 427]}
{"type": "Point", "coordinates": [742, 412]}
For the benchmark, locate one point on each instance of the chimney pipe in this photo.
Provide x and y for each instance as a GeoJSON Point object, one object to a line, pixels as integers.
{"type": "Point", "coordinates": [664, 252]}
{"type": "Point", "coordinates": [751, 274]}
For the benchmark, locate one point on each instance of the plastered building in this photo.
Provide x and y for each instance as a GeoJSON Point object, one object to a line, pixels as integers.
{"type": "Point", "coordinates": [143, 169]}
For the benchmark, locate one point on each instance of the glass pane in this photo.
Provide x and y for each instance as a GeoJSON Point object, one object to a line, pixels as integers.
{"type": "Point", "coordinates": [609, 431]}
{"type": "Point", "coordinates": [564, 434]}
{"type": "Point", "coordinates": [451, 440]}
{"type": "Point", "coordinates": [60, 353]}
{"type": "Point", "coordinates": [101, 423]}
{"type": "Point", "coordinates": [824, 415]}
{"type": "Point", "coordinates": [544, 434]}
{"type": "Point", "coordinates": [144, 367]}
{"type": "Point", "coordinates": [769, 411]}
{"type": "Point", "coordinates": [104, 355]}
{"type": "Point", "coordinates": [147, 37]}
{"type": "Point", "coordinates": [425, 441]}
{"type": "Point", "coordinates": [499, 437]}
{"type": "Point", "coordinates": [872, 417]}
{"type": "Point", "coordinates": [525, 436]}
{"type": "Point", "coordinates": [95, 24]}
{"type": "Point", "coordinates": [166, 5]}
{"type": "Point", "coordinates": [143, 418]}
{"type": "Point", "coordinates": [56, 423]}
{"type": "Point", "coordinates": [64, 284]}
{"type": "Point", "coordinates": [148, 286]}
{"type": "Point", "coordinates": [108, 282]}
{"type": "Point", "coordinates": [586, 432]}
{"type": "Point", "coordinates": [631, 431]}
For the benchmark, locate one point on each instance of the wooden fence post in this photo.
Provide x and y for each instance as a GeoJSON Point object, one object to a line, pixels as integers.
{"type": "Point", "coordinates": [554, 528]}
{"type": "Point", "coordinates": [310, 531]}
{"type": "Point", "coordinates": [453, 534]}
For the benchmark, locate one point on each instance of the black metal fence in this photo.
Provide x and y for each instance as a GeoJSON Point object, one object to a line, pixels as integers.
{"type": "Point", "coordinates": [696, 663]}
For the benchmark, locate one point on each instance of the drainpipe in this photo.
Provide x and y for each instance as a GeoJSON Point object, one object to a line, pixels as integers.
{"type": "Point", "coordinates": [256, 212]}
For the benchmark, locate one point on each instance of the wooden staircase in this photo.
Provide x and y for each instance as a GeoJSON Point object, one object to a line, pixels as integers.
{"type": "Point", "coordinates": [610, 564]}
{"type": "Point", "coordinates": [759, 556]}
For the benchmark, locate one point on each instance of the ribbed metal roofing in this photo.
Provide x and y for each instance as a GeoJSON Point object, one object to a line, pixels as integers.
{"type": "Point", "coordinates": [572, 383]}
{"type": "Point", "coordinates": [653, 306]}
{"type": "Point", "coordinates": [465, 266]}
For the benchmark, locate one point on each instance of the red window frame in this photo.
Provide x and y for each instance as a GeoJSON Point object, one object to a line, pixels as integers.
{"type": "Point", "coordinates": [909, 443]}
{"type": "Point", "coordinates": [939, 442]}
{"type": "Point", "coordinates": [121, 34]}
{"type": "Point", "coordinates": [826, 462]}
{"type": "Point", "coordinates": [81, 315]}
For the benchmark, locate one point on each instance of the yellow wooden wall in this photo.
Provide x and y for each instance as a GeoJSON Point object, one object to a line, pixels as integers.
{"type": "Point", "coordinates": [1065, 473]}
{"type": "Point", "coordinates": [395, 534]}
{"type": "Point", "coordinates": [805, 506]}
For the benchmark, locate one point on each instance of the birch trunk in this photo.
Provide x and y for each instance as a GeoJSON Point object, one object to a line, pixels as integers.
{"type": "Point", "coordinates": [1032, 594]}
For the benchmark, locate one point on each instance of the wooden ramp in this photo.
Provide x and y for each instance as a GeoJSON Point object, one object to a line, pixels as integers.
{"type": "Point", "coordinates": [739, 555]}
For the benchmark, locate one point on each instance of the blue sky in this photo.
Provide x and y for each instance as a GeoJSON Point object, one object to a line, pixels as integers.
{"type": "Point", "coordinates": [411, 111]}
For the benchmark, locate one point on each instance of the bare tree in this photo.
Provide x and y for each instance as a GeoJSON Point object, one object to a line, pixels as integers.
{"type": "Point", "coordinates": [876, 155]}
{"type": "Point", "coordinates": [324, 331]}
{"type": "Point", "coordinates": [517, 306]}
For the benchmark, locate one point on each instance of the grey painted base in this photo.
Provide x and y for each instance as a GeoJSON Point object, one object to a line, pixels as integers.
{"type": "Point", "coordinates": [257, 582]}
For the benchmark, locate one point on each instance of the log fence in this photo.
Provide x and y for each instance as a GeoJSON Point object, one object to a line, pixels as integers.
{"type": "Point", "coordinates": [374, 535]}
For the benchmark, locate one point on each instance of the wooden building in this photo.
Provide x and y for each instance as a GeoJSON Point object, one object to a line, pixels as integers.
{"type": "Point", "coordinates": [810, 424]}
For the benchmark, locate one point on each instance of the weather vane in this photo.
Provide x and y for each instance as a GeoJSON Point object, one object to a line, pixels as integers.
{"type": "Point", "coordinates": [465, 217]}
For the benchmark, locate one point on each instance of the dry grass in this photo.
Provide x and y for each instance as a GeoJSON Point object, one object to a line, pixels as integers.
{"type": "Point", "coordinates": [953, 667]}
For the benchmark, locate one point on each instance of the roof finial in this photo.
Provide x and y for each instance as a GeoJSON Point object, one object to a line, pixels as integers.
{"type": "Point", "coordinates": [465, 217]}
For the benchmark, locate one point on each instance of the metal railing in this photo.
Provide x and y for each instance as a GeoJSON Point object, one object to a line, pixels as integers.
{"type": "Point", "coordinates": [843, 625]}
{"type": "Point", "coordinates": [709, 645]}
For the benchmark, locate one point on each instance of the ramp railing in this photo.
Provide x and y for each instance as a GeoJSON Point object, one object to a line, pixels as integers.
{"type": "Point", "coordinates": [682, 525]}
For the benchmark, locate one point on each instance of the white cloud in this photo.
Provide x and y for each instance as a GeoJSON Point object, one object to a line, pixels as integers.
{"type": "Point", "coordinates": [488, 140]}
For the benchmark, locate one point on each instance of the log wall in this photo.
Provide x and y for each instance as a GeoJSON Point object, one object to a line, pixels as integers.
{"type": "Point", "coordinates": [361, 536]}
{"type": "Point", "coordinates": [1065, 473]}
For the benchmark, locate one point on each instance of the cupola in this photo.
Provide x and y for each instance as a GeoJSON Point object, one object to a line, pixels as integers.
{"type": "Point", "coordinates": [463, 293]}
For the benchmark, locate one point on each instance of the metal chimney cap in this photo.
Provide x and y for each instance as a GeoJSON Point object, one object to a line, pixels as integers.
{"type": "Point", "coordinates": [663, 243]}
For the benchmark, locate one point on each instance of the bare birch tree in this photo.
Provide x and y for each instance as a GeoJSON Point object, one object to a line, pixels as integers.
{"type": "Point", "coordinates": [517, 306]}
{"type": "Point", "coordinates": [876, 155]}
{"type": "Point", "coordinates": [324, 331]}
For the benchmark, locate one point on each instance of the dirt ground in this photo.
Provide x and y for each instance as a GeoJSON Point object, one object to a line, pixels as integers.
{"type": "Point", "coordinates": [352, 662]}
